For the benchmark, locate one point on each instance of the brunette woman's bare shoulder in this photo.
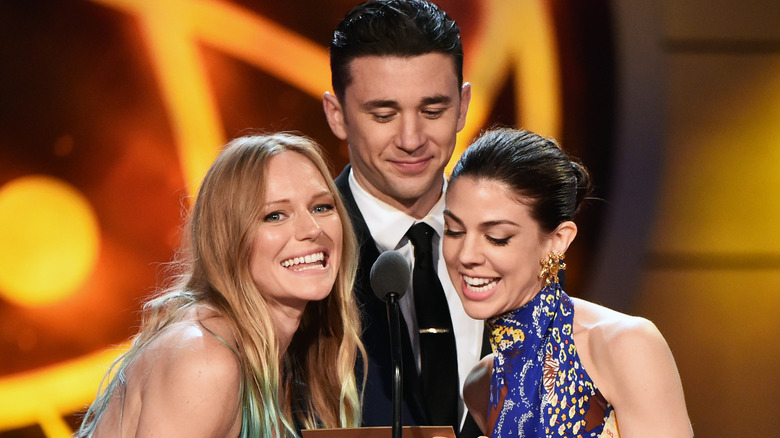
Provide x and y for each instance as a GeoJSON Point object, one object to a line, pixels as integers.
{"type": "Point", "coordinates": [606, 338]}
{"type": "Point", "coordinates": [631, 363]}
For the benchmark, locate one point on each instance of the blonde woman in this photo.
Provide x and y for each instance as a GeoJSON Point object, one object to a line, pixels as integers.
{"type": "Point", "coordinates": [259, 335]}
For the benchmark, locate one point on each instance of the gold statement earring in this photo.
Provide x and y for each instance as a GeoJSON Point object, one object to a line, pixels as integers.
{"type": "Point", "coordinates": [550, 267]}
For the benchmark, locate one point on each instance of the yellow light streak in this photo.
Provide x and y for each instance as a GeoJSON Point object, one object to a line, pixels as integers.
{"type": "Point", "coordinates": [30, 397]}
{"type": "Point", "coordinates": [533, 56]}
{"type": "Point", "coordinates": [173, 29]}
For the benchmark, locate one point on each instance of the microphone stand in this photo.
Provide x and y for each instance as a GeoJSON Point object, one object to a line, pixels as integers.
{"type": "Point", "coordinates": [393, 312]}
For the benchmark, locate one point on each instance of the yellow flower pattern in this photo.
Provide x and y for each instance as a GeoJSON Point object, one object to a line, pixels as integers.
{"type": "Point", "coordinates": [539, 387]}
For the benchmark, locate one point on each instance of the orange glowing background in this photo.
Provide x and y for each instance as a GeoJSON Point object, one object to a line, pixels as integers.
{"type": "Point", "coordinates": [112, 111]}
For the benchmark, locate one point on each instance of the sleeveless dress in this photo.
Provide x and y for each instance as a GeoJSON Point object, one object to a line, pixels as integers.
{"type": "Point", "coordinates": [539, 387]}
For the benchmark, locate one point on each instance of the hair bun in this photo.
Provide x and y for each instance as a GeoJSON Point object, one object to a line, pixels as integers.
{"type": "Point", "coordinates": [582, 183]}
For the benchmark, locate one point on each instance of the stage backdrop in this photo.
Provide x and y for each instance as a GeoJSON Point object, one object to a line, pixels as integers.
{"type": "Point", "coordinates": [112, 110]}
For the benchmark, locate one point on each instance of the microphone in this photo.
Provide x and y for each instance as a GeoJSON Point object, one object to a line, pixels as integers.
{"type": "Point", "coordinates": [390, 277]}
{"type": "Point", "coordinates": [390, 274]}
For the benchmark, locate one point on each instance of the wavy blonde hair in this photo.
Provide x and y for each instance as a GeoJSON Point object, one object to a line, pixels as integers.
{"type": "Point", "coordinates": [313, 383]}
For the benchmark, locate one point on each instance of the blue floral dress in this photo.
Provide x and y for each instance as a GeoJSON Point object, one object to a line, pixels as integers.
{"type": "Point", "coordinates": [539, 387]}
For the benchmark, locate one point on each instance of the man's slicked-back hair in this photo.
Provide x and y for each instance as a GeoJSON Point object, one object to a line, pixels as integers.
{"type": "Point", "coordinates": [401, 28]}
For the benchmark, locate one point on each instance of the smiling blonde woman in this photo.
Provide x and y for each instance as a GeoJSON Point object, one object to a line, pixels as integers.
{"type": "Point", "coordinates": [259, 334]}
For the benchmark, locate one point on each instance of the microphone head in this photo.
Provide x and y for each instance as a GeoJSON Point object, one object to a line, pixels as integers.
{"type": "Point", "coordinates": [390, 274]}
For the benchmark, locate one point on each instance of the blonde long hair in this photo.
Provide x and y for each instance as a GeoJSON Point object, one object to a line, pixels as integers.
{"type": "Point", "coordinates": [313, 383]}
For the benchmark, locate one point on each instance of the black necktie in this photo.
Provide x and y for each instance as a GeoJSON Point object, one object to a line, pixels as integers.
{"type": "Point", "coordinates": [438, 356]}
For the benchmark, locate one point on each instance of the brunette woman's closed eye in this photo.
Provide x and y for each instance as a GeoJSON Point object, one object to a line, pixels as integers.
{"type": "Point", "coordinates": [498, 242]}
{"type": "Point", "coordinates": [453, 233]}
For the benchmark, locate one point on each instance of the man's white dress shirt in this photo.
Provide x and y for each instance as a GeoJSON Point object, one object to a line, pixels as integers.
{"type": "Point", "coordinates": [388, 227]}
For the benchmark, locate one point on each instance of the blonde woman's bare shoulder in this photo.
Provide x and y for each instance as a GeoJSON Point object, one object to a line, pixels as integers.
{"type": "Point", "coordinates": [202, 337]}
{"type": "Point", "coordinates": [216, 324]}
{"type": "Point", "coordinates": [192, 380]}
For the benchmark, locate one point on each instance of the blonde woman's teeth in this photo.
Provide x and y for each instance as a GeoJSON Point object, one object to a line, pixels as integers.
{"type": "Point", "coordinates": [309, 261]}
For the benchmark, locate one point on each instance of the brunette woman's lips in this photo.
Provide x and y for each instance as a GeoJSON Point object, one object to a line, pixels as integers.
{"type": "Point", "coordinates": [479, 288]}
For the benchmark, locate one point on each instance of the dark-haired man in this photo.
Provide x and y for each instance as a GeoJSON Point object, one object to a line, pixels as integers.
{"type": "Point", "coordinates": [399, 100]}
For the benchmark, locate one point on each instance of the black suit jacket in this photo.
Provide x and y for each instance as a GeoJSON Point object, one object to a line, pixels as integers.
{"type": "Point", "coordinates": [377, 398]}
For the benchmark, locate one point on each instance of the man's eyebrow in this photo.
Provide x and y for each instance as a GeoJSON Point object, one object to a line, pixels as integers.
{"type": "Point", "coordinates": [388, 103]}
{"type": "Point", "coordinates": [380, 103]}
{"type": "Point", "coordinates": [437, 99]}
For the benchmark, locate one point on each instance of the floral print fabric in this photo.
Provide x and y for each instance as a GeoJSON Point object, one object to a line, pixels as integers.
{"type": "Point", "coordinates": [539, 387]}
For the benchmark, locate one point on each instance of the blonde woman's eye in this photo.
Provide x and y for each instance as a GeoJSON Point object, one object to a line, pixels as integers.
{"type": "Point", "coordinates": [273, 217]}
{"type": "Point", "coordinates": [322, 208]}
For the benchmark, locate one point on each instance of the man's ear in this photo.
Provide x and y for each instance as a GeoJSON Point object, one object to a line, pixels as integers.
{"type": "Point", "coordinates": [562, 236]}
{"type": "Point", "coordinates": [465, 99]}
{"type": "Point", "coordinates": [334, 113]}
